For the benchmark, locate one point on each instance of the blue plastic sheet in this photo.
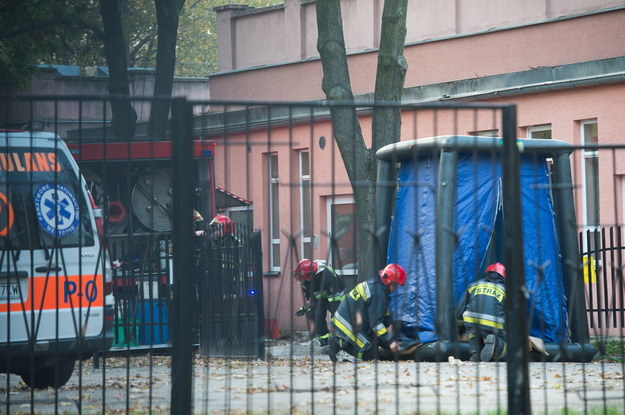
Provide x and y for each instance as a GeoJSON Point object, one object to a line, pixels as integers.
{"type": "Point", "coordinates": [477, 206]}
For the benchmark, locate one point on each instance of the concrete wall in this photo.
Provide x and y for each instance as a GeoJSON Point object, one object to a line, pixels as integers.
{"type": "Point", "coordinates": [251, 37]}
{"type": "Point", "coordinates": [597, 36]}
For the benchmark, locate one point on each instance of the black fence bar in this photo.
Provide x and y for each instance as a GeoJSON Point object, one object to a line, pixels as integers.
{"type": "Point", "coordinates": [516, 320]}
{"type": "Point", "coordinates": [184, 295]}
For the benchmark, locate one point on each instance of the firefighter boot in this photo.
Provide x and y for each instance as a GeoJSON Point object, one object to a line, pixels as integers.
{"type": "Point", "coordinates": [333, 348]}
{"type": "Point", "coordinates": [490, 344]}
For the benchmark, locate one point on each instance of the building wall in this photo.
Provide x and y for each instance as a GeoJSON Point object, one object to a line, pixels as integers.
{"type": "Point", "coordinates": [53, 82]}
{"type": "Point", "coordinates": [287, 33]}
{"type": "Point", "coordinates": [563, 110]}
{"type": "Point", "coordinates": [561, 62]}
{"type": "Point", "coordinates": [442, 59]}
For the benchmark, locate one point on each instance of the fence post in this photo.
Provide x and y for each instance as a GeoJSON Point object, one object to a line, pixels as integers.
{"type": "Point", "coordinates": [570, 250]}
{"type": "Point", "coordinates": [445, 242]}
{"type": "Point", "coordinates": [516, 302]}
{"type": "Point", "coordinates": [184, 299]}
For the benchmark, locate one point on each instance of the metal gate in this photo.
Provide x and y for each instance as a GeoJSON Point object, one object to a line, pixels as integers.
{"type": "Point", "coordinates": [231, 317]}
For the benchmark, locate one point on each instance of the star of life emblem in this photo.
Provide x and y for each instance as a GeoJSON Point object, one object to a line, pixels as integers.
{"type": "Point", "coordinates": [57, 209]}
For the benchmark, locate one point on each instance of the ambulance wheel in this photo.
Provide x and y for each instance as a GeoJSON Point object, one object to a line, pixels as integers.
{"type": "Point", "coordinates": [44, 377]}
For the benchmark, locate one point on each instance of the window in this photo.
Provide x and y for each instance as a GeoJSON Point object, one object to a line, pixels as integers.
{"type": "Point", "coordinates": [242, 216]}
{"type": "Point", "coordinates": [590, 173]}
{"type": "Point", "coordinates": [539, 131]}
{"type": "Point", "coordinates": [274, 214]}
{"type": "Point", "coordinates": [542, 132]}
{"type": "Point", "coordinates": [343, 246]}
{"type": "Point", "coordinates": [485, 133]}
{"type": "Point", "coordinates": [305, 200]}
{"type": "Point", "coordinates": [590, 184]}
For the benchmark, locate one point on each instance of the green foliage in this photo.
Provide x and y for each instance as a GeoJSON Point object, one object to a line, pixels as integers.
{"type": "Point", "coordinates": [610, 347]}
{"type": "Point", "coordinates": [44, 31]}
{"type": "Point", "coordinates": [196, 54]}
{"type": "Point", "coordinates": [69, 32]}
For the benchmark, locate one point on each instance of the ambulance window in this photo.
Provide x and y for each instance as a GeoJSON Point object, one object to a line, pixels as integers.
{"type": "Point", "coordinates": [47, 201]}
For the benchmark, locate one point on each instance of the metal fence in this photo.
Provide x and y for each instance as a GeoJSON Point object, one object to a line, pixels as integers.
{"type": "Point", "coordinates": [118, 288]}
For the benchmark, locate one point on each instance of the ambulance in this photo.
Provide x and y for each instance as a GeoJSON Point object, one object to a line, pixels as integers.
{"type": "Point", "coordinates": [56, 303]}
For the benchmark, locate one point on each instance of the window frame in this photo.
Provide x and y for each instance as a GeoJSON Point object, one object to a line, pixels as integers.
{"type": "Point", "coordinates": [274, 243]}
{"type": "Point", "coordinates": [537, 128]}
{"type": "Point", "coordinates": [305, 210]}
{"type": "Point", "coordinates": [494, 132]}
{"type": "Point", "coordinates": [587, 155]}
{"type": "Point", "coordinates": [338, 200]}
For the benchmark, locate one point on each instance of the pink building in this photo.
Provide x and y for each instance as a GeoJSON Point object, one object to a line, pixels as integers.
{"type": "Point", "coordinates": [561, 62]}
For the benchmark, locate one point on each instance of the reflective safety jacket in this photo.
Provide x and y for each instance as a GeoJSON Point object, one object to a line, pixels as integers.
{"type": "Point", "coordinates": [364, 314]}
{"type": "Point", "coordinates": [482, 305]}
{"type": "Point", "coordinates": [325, 286]}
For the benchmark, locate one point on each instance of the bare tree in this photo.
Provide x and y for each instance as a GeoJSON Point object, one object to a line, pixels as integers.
{"type": "Point", "coordinates": [359, 160]}
{"type": "Point", "coordinates": [167, 17]}
{"type": "Point", "coordinates": [115, 48]}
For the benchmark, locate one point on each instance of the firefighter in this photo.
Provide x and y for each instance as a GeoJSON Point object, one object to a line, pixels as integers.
{"type": "Point", "coordinates": [361, 321]}
{"type": "Point", "coordinates": [323, 291]}
{"type": "Point", "coordinates": [198, 222]}
{"type": "Point", "coordinates": [481, 310]}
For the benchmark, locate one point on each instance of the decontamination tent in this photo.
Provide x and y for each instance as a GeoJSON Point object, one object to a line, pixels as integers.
{"type": "Point", "coordinates": [448, 209]}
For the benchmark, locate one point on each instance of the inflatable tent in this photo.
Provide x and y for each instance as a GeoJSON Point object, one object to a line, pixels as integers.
{"type": "Point", "coordinates": [446, 228]}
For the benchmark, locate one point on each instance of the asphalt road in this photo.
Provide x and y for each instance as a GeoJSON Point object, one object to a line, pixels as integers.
{"type": "Point", "coordinates": [289, 381]}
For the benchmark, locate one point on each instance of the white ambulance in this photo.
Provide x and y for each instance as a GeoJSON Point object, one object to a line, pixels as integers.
{"type": "Point", "coordinates": [56, 305]}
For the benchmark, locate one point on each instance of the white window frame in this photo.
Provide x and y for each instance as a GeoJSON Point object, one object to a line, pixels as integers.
{"type": "Point", "coordinates": [304, 210]}
{"type": "Point", "coordinates": [237, 209]}
{"type": "Point", "coordinates": [485, 133]}
{"type": "Point", "coordinates": [536, 129]}
{"type": "Point", "coordinates": [337, 200]}
{"type": "Point", "coordinates": [585, 155]}
{"type": "Point", "coordinates": [274, 243]}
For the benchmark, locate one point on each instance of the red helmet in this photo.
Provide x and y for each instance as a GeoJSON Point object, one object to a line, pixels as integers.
{"type": "Point", "coordinates": [306, 269]}
{"type": "Point", "coordinates": [498, 268]}
{"type": "Point", "coordinates": [224, 222]}
{"type": "Point", "coordinates": [393, 273]}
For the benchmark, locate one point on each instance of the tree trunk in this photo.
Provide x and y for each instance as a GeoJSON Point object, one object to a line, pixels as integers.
{"type": "Point", "coordinates": [124, 115]}
{"type": "Point", "coordinates": [360, 161]}
{"type": "Point", "coordinates": [391, 73]}
{"type": "Point", "coordinates": [167, 15]}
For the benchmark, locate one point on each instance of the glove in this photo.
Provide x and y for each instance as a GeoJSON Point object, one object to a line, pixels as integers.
{"type": "Point", "coordinates": [300, 312]}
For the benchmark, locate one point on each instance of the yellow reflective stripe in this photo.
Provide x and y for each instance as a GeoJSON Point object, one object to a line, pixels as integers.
{"type": "Point", "coordinates": [347, 332]}
{"type": "Point", "coordinates": [492, 290]}
{"type": "Point", "coordinates": [483, 322]}
{"type": "Point", "coordinates": [339, 297]}
{"type": "Point", "coordinates": [381, 332]}
{"type": "Point", "coordinates": [361, 290]}
{"type": "Point", "coordinates": [325, 336]}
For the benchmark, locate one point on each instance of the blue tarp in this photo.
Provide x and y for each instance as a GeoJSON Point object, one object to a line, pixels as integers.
{"type": "Point", "coordinates": [477, 213]}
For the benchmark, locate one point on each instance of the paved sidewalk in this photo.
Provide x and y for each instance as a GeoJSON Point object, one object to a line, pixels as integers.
{"type": "Point", "coordinates": [292, 380]}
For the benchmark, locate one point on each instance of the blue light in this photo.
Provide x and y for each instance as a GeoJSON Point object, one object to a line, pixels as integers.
{"type": "Point", "coordinates": [252, 292]}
